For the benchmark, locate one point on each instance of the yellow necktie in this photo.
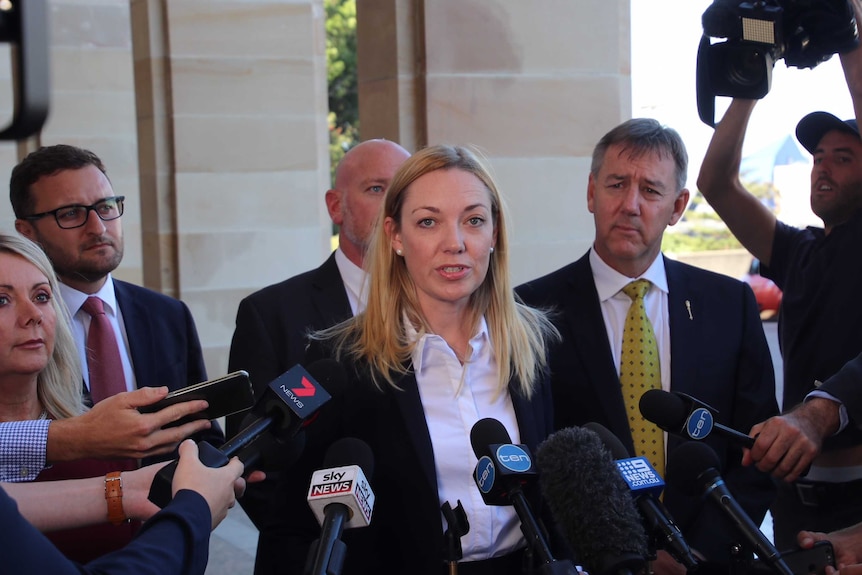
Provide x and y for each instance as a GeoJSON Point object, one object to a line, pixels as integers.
{"type": "Point", "coordinates": [640, 371]}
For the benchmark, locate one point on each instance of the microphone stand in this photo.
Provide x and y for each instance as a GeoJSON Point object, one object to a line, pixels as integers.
{"type": "Point", "coordinates": [326, 554]}
{"type": "Point", "coordinates": [536, 541]}
{"type": "Point", "coordinates": [458, 526]}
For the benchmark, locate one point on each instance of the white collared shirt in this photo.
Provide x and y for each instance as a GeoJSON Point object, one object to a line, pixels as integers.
{"type": "Point", "coordinates": [454, 397]}
{"type": "Point", "coordinates": [74, 299]}
{"type": "Point", "coordinates": [615, 307]}
{"type": "Point", "coordinates": [354, 279]}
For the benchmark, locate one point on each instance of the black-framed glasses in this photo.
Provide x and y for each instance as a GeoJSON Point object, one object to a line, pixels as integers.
{"type": "Point", "coordinates": [76, 215]}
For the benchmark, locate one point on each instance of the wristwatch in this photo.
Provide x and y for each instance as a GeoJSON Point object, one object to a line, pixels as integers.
{"type": "Point", "coordinates": [114, 497]}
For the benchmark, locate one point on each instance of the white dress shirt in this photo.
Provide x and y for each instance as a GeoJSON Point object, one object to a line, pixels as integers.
{"type": "Point", "coordinates": [355, 281]}
{"type": "Point", "coordinates": [454, 397]}
{"type": "Point", "coordinates": [615, 307]}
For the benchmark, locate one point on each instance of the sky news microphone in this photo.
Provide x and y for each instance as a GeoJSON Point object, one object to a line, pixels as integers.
{"type": "Point", "coordinates": [646, 486]}
{"type": "Point", "coordinates": [290, 402]}
{"type": "Point", "coordinates": [694, 468]}
{"type": "Point", "coordinates": [591, 503]}
{"type": "Point", "coordinates": [503, 471]}
{"type": "Point", "coordinates": [340, 498]}
{"type": "Point", "coordinates": [686, 416]}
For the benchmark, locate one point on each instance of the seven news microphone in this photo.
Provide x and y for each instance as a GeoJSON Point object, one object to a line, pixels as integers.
{"type": "Point", "coordinates": [289, 404]}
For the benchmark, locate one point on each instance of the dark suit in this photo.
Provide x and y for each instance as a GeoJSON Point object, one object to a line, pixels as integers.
{"type": "Point", "coordinates": [163, 340]}
{"type": "Point", "coordinates": [271, 325]}
{"type": "Point", "coordinates": [406, 531]}
{"type": "Point", "coordinates": [175, 540]}
{"type": "Point", "coordinates": [719, 355]}
{"type": "Point", "coordinates": [845, 386]}
{"type": "Point", "coordinates": [163, 345]}
{"type": "Point", "coordinates": [269, 339]}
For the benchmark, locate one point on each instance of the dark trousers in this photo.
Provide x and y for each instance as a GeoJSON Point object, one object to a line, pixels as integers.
{"type": "Point", "coordinates": [814, 507]}
{"type": "Point", "coordinates": [512, 564]}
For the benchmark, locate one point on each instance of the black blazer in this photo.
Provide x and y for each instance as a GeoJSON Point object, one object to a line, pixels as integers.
{"type": "Point", "coordinates": [406, 530]}
{"type": "Point", "coordinates": [271, 325]}
{"type": "Point", "coordinates": [719, 355]}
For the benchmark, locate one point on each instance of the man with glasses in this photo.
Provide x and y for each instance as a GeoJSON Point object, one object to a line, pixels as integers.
{"type": "Point", "coordinates": [64, 201]}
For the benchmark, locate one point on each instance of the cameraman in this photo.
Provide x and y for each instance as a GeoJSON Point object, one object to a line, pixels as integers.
{"type": "Point", "coordinates": [819, 272]}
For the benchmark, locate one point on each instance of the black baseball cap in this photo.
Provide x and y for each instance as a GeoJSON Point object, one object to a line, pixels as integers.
{"type": "Point", "coordinates": [812, 127]}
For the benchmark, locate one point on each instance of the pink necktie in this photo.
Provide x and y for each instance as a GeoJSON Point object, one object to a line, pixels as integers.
{"type": "Point", "coordinates": [103, 355]}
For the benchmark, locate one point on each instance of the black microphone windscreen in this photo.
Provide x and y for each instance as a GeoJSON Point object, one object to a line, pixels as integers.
{"type": "Point", "coordinates": [330, 374]}
{"type": "Point", "coordinates": [611, 442]}
{"type": "Point", "coordinates": [686, 463]}
{"type": "Point", "coordinates": [486, 432]}
{"type": "Point", "coordinates": [589, 500]}
{"type": "Point", "coordinates": [665, 409]}
{"type": "Point", "coordinates": [350, 451]}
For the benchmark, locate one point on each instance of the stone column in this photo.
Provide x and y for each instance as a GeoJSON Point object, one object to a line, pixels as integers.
{"type": "Point", "coordinates": [532, 84]}
{"type": "Point", "coordinates": [234, 154]}
{"type": "Point", "coordinates": [92, 105]}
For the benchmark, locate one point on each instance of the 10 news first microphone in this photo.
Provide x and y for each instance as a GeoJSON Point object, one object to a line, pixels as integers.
{"type": "Point", "coordinates": [601, 505]}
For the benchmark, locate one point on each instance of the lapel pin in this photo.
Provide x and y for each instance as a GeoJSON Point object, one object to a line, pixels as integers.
{"type": "Point", "coordinates": [688, 307]}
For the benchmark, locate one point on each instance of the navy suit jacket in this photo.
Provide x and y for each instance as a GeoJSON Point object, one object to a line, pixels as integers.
{"type": "Point", "coordinates": [719, 355]}
{"type": "Point", "coordinates": [270, 338]}
{"type": "Point", "coordinates": [845, 386]}
{"type": "Point", "coordinates": [406, 530]}
{"type": "Point", "coordinates": [163, 344]}
{"type": "Point", "coordinates": [175, 540]}
{"type": "Point", "coordinates": [163, 340]}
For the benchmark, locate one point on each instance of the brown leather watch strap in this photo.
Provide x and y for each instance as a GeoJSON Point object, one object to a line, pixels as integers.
{"type": "Point", "coordinates": [114, 497]}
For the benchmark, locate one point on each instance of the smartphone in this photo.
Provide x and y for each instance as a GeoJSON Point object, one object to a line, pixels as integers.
{"type": "Point", "coordinates": [226, 395]}
{"type": "Point", "coordinates": [810, 561]}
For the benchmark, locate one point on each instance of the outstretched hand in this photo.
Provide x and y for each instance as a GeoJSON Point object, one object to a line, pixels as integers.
{"type": "Point", "coordinates": [114, 428]}
{"type": "Point", "coordinates": [786, 445]}
{"type": "Point", "coordinates": [845, 543]}
{"type": "Point", "coordinates": [219, 486]}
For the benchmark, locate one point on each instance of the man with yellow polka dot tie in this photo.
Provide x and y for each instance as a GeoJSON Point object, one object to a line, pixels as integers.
{"type": "Point", "coordinates": [640, 370]}
{"type": "Point", "coordinates": [632, 320]}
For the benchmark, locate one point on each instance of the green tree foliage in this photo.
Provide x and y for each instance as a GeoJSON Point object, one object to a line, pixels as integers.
{"type": "Point", "coordinates": [341, 74]}
{"type": "Point", "coordinates": [701, 229]}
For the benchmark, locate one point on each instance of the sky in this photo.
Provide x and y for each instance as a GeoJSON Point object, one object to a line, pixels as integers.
{"type": "Point", "coordinates": [668, 32]}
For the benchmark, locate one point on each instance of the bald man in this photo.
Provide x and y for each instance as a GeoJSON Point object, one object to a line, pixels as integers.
{"type": "Point", "coordinates": [271, 324]}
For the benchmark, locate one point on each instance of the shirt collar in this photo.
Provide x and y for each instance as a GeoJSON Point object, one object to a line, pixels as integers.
{"type": "Point", "coordinates": [429, 341]}
{"type": "Point", "coordinates": [75, 299]}
{"type": "Point", "coordinates": [609, 281]}
{"type": "Point", "coordinates": [353, 276]}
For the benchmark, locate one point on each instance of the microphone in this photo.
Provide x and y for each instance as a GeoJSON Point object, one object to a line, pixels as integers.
{"type": "Point", "coordinates": [686, 416]}
{"type": "Point", "coordinates": [694, 470]}
{"type": "Point", "coordinates": [503, 471]}
{"type": "Point", "coordinates": [646, 486]}
{"type": "Point", "coordinates": [340, 498]}
{"type": "Point", "coordinates": [289, 403]}
{"type": "Point", "coordinates": [591, 503]}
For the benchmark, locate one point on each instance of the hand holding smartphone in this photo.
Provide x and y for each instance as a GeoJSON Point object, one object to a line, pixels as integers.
{"type": "Point", "coordinates": [226, 396]}
{"type": "Point", "coordinates": [810, 561]}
